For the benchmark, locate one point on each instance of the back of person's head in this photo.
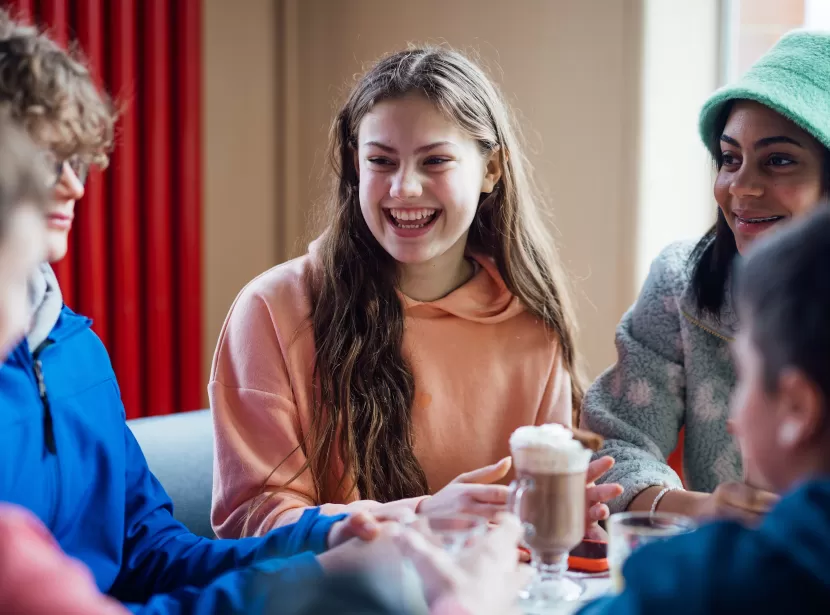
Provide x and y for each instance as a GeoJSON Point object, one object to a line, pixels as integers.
{"type": "Point", "coordinates": [23, 195]}
{"type": "Point", "coordinates": [22, 174]}
{"type": "Point", "coordinates": [366, 389]}
{"type": "Point", "coordinates": [783, 349]}
{"type": "Point", "coordinates": [784, 286]}
{"type": "Point", "coordinates": [50, 92]}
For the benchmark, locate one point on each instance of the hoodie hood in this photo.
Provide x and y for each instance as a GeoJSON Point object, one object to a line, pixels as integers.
{"type": "Point", "coordinates": [484, 298]}
{"type": "Point", "coordinates": [45, 303]}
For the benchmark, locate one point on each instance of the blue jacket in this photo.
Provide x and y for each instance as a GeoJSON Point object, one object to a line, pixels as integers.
{"type": "Point", "coordinates": [67, 455]}
{"type": "Point", "coordinates": [724, 568]}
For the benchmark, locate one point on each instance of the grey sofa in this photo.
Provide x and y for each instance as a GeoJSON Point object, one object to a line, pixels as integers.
{"type": "Point", "coordinates": [179, 451]}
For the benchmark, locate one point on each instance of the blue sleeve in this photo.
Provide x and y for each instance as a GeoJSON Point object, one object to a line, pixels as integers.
{"type": "Point", "coordinates": [664, 577]}
{"type": "Point", "coordinates": [247, 590]}
{"type": "Point", "coordinates": [160, 556]}
{"type": "Point", "coordinates": [367, 593]}
{"type": "Point", "coordinates": [721, 569]}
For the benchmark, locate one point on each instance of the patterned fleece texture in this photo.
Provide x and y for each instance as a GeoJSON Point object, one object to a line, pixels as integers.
{"type": "Point", "coordinates": [673, 369]}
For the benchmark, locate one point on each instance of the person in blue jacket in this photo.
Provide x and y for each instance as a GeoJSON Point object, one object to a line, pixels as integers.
{"type": "Point", "coordinates": [66, 453]}
{"type": "Point", "coordinates": [781, 419]}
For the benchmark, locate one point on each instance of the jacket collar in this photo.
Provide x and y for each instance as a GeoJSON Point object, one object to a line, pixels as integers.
{"type": "Point", "coordinates": [723, 326]}
{"type": "Point", "coordinates": [69, 323]}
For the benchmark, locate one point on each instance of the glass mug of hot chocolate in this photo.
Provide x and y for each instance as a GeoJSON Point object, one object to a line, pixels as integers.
{"type": "Point", "coordinates": [548, 496]}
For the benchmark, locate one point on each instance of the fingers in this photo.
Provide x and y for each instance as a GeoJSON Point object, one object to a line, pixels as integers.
{"type": "Point", "coordinates": [397, 515]}
{"type": "Point", "coordinates": [598, 512]}
{"type": "Point", "coordinates": [486, 501]}
{"type": "Point", "coordinates": [763, 501]}
{"type": "Point", "coordinates": [488, 511]}
{"type": "Point", "coordinates": [509, 530]}
{"type": "Point", "coordinates": [362, 525]}
{"type": "Point", "coordinates": [366, 526]}
{"type": "Point", "coordinates": [741, 502]}
{"type": "Point", "coordinates": [423, 554]}
{"type": "Point", "coordinates": [746, 517]}
{"type": "Point", "coordinates": [595, 532]}
{"type": "Point", "coordinates": [488, 494]}
{"type": "Point", "coordinates": [602, 493]}
{"type": "Point", "coordinates": [598, 467]}
{"type": "Point", "coordinates": [746, 498]}
{"type": "Point", "coordinates": [487, 474]}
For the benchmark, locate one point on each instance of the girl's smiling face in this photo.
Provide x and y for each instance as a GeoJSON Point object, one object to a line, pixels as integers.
{"type": "Point", "coordinates": [770, 171]}
{"type": "Point", "coordinates": [421, 179]}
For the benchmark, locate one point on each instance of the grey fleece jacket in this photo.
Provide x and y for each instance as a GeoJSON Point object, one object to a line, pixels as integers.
{"type": "Point", "coordinates": [673, 369]}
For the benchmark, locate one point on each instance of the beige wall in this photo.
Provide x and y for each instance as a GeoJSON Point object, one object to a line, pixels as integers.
{"type": "Point", "coordinates": [240, 153]}
{"type": "Point", "coordinates": [274, 70]}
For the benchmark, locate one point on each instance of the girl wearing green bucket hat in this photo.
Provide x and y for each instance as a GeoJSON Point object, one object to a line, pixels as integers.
{"type": "Point", "coordinates": [769, 135]}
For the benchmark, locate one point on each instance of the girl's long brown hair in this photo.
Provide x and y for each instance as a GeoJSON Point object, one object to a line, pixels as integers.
{"type": "Point", "coordinates": [364, 388]}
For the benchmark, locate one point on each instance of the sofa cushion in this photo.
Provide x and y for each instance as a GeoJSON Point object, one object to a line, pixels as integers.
{"type": "Point", "coordinates": [179, 451]}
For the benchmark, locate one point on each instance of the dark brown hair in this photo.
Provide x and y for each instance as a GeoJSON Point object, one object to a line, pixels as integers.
{"type": "Point", "coordinates": [364, 388]}
{"type": "Point", "coordinates": [783, 291]}
{"type": "Point", "coordinates": [50, 92]}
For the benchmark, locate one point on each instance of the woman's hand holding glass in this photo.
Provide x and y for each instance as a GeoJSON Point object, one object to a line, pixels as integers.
{"type": "Point", "coordinates": [471, 493]}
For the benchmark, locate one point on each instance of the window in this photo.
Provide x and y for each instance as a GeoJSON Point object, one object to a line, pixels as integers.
{"type": "Point", "coordinates": [753, 26]}
{"type": "Point", "coordinates": [680, 68]}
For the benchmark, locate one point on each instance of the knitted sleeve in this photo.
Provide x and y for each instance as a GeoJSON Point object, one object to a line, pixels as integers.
{"type": "Point", "coordinates": [639, 404]}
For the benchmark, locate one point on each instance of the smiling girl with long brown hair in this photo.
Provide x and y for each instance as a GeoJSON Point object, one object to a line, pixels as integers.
{"type": "Point", "coordinates": [429, 321]}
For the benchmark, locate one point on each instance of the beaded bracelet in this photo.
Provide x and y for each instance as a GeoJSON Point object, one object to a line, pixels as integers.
{"type": "Point", "coordinates": [660, 497]}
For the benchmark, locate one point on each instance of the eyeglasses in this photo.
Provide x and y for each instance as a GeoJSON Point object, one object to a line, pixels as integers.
{"type": "Point", "coordinates": [55, 168]}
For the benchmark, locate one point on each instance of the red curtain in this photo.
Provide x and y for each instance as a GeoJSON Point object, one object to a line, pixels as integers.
{"type": "Point", "coordinates": [134, 264]}
{"type": "Point", "coordinates": [676, 458]}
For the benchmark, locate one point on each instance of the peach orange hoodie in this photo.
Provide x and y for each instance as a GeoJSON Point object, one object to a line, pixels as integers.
{"type": "Point", "coordinates": [483, 366]}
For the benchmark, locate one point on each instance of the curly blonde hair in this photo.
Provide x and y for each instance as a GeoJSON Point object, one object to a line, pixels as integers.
{"type": "Point", "coordinates": [51, 93]}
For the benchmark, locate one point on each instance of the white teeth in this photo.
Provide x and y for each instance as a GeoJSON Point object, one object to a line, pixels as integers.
{"type": "Point", "coordinates": [413, 218]}
{"type": "Point", "coordinates": [756, 220]}
{"type": "Point", "coordinates": [411, 214]}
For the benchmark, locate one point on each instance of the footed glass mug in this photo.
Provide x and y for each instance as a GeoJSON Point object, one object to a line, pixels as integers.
{"type": "Point", "coordinates": [551, 506]}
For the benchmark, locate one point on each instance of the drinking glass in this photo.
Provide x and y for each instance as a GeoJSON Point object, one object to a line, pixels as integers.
{"type": "Point", "coordinates": [630, 531]}
{"type": "Point", "coordinates": [554, 524]}
{"type": "Point", "coordinates": [453, 532]}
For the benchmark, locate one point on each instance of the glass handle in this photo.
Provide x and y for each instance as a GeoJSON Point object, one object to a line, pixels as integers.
{"type": "Point", "coordinates": [518, 488]}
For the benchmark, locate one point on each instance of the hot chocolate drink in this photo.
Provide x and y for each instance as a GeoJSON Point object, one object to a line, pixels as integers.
{"type": "Point", "coordinates": [554, 510]}
{"type": "Point", "coordinates": [550, 488]}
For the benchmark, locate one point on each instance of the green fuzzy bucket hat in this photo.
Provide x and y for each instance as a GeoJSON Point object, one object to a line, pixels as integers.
{"type": "Point", "coordinates": [792, 78]}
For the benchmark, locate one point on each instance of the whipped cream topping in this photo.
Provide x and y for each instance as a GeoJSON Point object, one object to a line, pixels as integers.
{"type": "Point", "coordinates": [548, 449]}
